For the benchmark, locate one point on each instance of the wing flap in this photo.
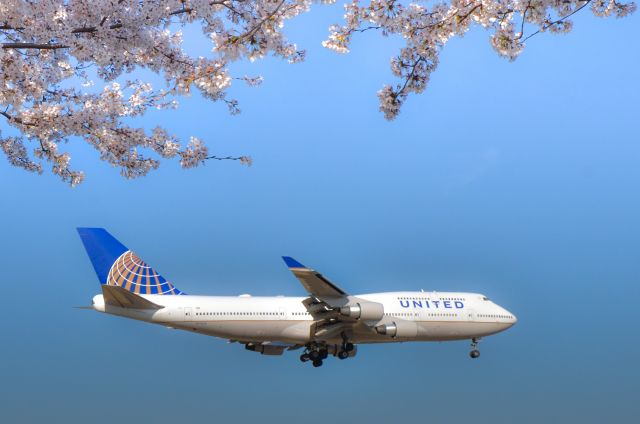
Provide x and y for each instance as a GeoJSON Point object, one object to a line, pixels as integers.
{"type": "Point", "coordinates": [329, 330]}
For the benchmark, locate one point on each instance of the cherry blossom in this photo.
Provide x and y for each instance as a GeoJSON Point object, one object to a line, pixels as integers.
{"type": "Point", "coordinates": [427, 26]}
{"type": "Point", "coordinates": [53, 52]}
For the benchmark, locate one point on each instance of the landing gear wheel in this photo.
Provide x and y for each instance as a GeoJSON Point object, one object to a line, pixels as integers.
{"type": "Point", "coordinates": [314, 355]}
{"type": "Point", "coordinates": [304, 357]}
{"type": "Point", "coordinates": [317, 363]}
{"type": "Point", "coordinates": [343, 354]}
{"type": "Point", "coordinates": [348, 347]}
{"type": "Point", "coordinates": [475, 353]}
{"type": "Point", "coordinates": [324, 353]}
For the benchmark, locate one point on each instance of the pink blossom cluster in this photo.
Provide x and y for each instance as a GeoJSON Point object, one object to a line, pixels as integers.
{"type": "Point", "coordinates": [426, 29]}
{"type": "Point", "coordinates": [52, 50]}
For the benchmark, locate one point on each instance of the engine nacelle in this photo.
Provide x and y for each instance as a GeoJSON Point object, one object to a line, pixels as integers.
{"type": "Point", "coordinates": [398, 329]}
{"type": "Point", "coordinates": [365, 310]}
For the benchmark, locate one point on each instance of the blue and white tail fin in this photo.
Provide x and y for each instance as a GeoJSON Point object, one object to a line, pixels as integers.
{"type": "Point", "coordinates": [115, 265]}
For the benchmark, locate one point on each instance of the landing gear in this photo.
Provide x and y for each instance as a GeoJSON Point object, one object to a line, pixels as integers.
{"type": "Point", "coordinates": [346, 347]}
{"type": "Point", "coordinates": [475, 353]}
{"type": "Point", "coordinates": [317, 352]}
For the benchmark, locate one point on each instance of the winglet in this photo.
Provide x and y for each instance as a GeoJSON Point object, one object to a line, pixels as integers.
{"type": "Point", "coordinates": [292, 263]}
{"type": "Point", "coordinates": [313, 281]}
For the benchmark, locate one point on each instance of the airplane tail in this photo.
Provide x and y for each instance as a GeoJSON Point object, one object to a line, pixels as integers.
{"type": "Point", "coordinates": [115, 265]}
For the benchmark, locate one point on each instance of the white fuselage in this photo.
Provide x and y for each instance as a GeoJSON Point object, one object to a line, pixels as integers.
{"type": "Point", "coordinates": [438, 316]}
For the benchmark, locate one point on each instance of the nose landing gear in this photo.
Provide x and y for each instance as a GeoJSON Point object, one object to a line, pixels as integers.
{"type": "Point", "coordinates": [475, 353]}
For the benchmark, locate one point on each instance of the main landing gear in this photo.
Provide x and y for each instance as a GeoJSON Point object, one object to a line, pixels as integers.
{"type": "Point", "coordinates": [475, 353]}
{"type": "Point", "coordinates": [345, 350]}
{"type": "Point", "coordinates": [316, 353]}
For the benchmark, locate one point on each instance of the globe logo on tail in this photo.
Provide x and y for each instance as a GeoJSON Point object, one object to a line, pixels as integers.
{"type": "Point", "coordinates": [133, 274]}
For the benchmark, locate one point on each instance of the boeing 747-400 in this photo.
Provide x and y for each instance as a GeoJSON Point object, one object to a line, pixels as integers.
{"type": "Point", "coordinates": [327, 322]}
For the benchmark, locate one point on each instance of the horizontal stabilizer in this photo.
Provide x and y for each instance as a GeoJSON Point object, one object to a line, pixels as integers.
{"type": "Point", "coordinates": [117, 296]}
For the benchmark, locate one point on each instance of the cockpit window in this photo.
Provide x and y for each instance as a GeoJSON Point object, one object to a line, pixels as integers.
{"type": "Point", "coordinates": [485, 298]}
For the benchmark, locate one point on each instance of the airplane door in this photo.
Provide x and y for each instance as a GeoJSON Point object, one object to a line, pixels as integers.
{"type": "Point", "coordinates": [188, 314]}
{"type": "Point", "coordinates": [471, 315]}
{"type": "Point", "coordinates": [282, 314]}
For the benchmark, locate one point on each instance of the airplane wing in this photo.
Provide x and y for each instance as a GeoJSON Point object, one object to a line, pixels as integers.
{"type": "Point", "coordinates": [315, 284]}
{"type": "Point", "coordinates": [335, 313]}
{"type": "Point", "coordinates": [324, 302]}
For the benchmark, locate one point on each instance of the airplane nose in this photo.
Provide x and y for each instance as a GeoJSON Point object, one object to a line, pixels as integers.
{"type": "Point", "coordinates": [511, 318]}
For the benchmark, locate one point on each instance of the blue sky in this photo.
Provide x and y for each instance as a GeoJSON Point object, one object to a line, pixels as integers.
{"type": "Point", "coordinates": [518, 180]}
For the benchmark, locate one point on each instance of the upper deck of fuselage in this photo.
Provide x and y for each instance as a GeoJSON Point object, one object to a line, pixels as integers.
{"type": "Point", "coordinates": [266, 301]}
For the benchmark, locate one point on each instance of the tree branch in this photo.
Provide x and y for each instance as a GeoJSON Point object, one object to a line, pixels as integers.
{"type": "Point", "coordinates": [244, 159]}
{"type": "Point", "coordinates": [90, 30]}
{"type": "Point", "coordinates": [544, 28]}
{"type": "Point", "coordinates": [17, 120]}
{"type": "Point", "coordinates": [38, 46]}
{"type": "Point", "coordinates": [259, 25]}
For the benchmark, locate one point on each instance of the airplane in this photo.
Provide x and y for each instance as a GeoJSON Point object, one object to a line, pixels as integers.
{"type": "Point", "coordinates": [326, 322]}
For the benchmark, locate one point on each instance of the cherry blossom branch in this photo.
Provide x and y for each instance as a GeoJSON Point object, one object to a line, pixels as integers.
{"type": "Point", "coordinates": [243, 159]}
{"type": "Point", "coordinates": [556, 22]}
{"type": "Point", "coordinates": [47, 45]}
{"type": "Point", "coordinates": [427, 29]}
{"type": "Point", "coordinates": [38, 46]}
{"type": "Point", "coordinates": [93, 29]}
{"type": "Point", "coordinates": [411, 74]}
{"type": "Point", "coordinates": [16, 120]}
{"type": "Point", "coordinates": [448, 18]}
{"type": "Point", "coordinates": [257, 27]}
{"type": "Point", "coordinates": [369, 28]}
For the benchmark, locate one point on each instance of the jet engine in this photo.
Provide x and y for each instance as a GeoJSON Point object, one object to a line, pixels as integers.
{"type": "Point", "coordinates": [365, 310]}
{"type": "Point", "coordinates": [398, 329]}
